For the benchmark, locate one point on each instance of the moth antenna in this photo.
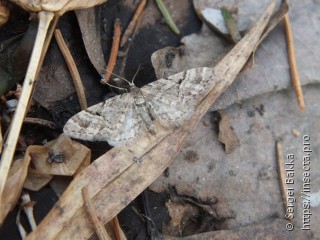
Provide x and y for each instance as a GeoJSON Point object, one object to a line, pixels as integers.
{"type": "Point", "coordinates": [136, 74]}
{"type": "Point", "coordinates": [120, 88]}
{"type": "Point", "coordinates": [119, 77]}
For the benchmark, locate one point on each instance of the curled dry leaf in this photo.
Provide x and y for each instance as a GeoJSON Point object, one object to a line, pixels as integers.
{"type": "Point", "coordinates": [17, 175]}
{"type": "Point", "coordinates": [35, 180]}
{"type": "Point", "coordinates": [75, 157]}
{"type": "Point", "coordinates": [60, 7]}
{"type": "Point", "coordinates": [4, 13]}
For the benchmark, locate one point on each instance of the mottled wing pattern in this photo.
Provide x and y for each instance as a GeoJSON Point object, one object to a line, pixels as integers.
{"type": "Point", "coordinates": [174, 99]}
{"type": "Point", "coordinates": [114, 120]}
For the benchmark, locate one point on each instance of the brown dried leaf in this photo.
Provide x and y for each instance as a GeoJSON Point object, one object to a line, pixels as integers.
{"type": "Point", "coordinates": [35, 180]}
{"type": "Point", "coordinates": [60, 7]}
{"type": "Point", "coordinates": [74, 156]}
{"type": "Point", "coordinates": [14, 184]}
{"type": "Point", "coordinates": [226, 134]}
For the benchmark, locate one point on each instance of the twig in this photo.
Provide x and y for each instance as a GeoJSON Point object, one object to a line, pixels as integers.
{"type": "Point", "coordinates": [133, 22]}
{"type": "Point", "coordinates": [280, 163]}
{"type": "Point", "coordinates": [99, 227]}
{"type": "Point", "coordinates": [41, 122]}
{"type": "Point", "coordinates": [167, 17]}
{"type": "Point", "coordinates": [292, 62]}
{"type": "Point", "coordinates": [73, 69]}
{"type": "Point", "coordinates": [29, 82]}
{"type": "Point", "coordinates": [117, 229]}
{"type": "Point", "coordinates": [114, 51]}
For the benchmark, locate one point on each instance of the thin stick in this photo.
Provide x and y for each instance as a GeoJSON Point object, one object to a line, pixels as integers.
{"type": "Point", "coordinates": [292, 62]}
{"type": "Point", "coordinates": [117, 229]}
{"type": "Point", "coordinates": [133, 23]}
{"type": "Point", "coordinates": [73, 69]}
{"type": "Point", "coordinates": [282, 174]}
{"type": "Point", "coordinates": [114, 51]}
{"type": "Point", "coordinates": [40, 122]}
{"type": "Point", "coordinates": [29, 82]}
{"type": "Point", "coordinates": [99, 227]}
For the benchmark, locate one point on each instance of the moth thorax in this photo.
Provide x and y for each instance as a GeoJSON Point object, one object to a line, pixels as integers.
{"type": "Point", "coordinates": [139, 101]}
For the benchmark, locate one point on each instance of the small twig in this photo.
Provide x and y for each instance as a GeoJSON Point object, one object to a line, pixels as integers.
{"type": "Point", "coordinates": [29, 82]}
{"type": "Point", "coordinates": [292, 62]}
{"type": "Point", "coordinates": [27, 206]}
{"type": "Point", "coordinates": [133, 23]}
{"type": "Point", "coordinates": [99, 227]}
{"type": "Point", "coordinates": [114, 51]}
{"type": "Point", "coordinates": [167, 17]}
{"type": "Point", "coordinates": [282, 174]}
{"type": "Point", "coordinates": [73, 69]}
{"type": "Point", "coordinates": [40, 122]}
{"type": "Point", "coordinates": [117, 229]}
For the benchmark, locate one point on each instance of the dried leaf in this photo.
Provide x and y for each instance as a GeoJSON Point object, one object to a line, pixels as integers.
{"type": "Point", "coordinates": [35, 180]}
{"type": "Point", "coordinates": [75, 155]}
{"type": "Point", "coordinates": [14, 184]}
{"type": "Point", "coordinates": [91, 37]}
{"type": "Point", "coordinates": [60, 7]}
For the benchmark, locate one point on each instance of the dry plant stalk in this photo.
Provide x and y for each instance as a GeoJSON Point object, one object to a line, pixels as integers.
{"type": "Point", "coordinates": [114, 51]}
{"type": "Point", "coordinates": [73, 69]}
{"type": "Point", "coordinates": [292, 62]}
{"type": "Point", "coordinates": [29, 82]}
{"type": "Point", "coordinates": [115, 184]}
{"type": "Point", "coordinates": [99, 227]}
{"type": "Point", "coordinates": [133, 23]}
{"type": "Point", "coordinates": [282, 174]}
{"type": "Point", "coordinates": [40, 122]}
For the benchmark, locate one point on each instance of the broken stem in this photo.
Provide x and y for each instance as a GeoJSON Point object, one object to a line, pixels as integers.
{"type": "Point", "coordinates": [40, 122]}
{"type": "Point", "coordinates": [133, 23]}
{"type": "Point", "coordinates": [292, 62]}
{"type": "Point", "coordinates": [117, 229]}
{"type": "Point", "coordinates": [73, 69]}
{"type": "Point", "coordinates": [99, 227]}
{"type": "Point", "coordinates": [29, 82]}
{"type": "Point", "coordinates": [114, 51]}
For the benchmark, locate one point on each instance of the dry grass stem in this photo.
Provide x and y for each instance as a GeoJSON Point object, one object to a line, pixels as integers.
{"type": "Point", "coordinates": [21, 229]}
{"type": "Point", "coordinates": [99, 227]}
{"type": "Point", "coordinates": [282, 174]}
{"type": "Point", "coordinates": [114, 51]}
{"type": "Point", "coordinates": [133, 23]}
{"type": "Point", "coordinates": [40, 122]}
{"type": "Point", "coordinates": [117, 229]}
{"type": "Point", "coordinates": [44, 21]}
{"type": "Point", "coordinates": [73, 69]}
{"type": "Point", "coordinates": [292, 62]}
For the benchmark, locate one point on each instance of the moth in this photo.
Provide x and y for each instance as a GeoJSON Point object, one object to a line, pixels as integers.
{"type": "Point", "coordinates": [120, 119]}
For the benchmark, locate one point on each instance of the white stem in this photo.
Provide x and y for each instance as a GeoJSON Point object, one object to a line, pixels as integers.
{"type": "Point", "coordinates": [29, 82]}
